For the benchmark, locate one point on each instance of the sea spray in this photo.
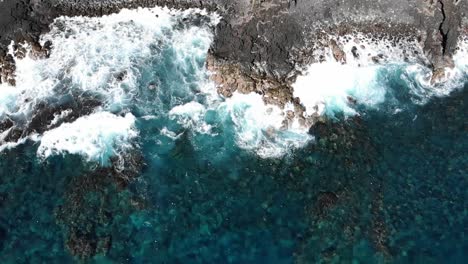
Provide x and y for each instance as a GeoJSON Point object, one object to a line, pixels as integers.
{"type": "Point", "coordinates": [260, 127]}
{"type": "Point", "coordinates": [110, 61]}
{"type": "Point", "coordinates": [96, 137]}
{"type": "Point", "coordinates": [329, 87]}
{"type": "Point", "coordinates": [366, 76]}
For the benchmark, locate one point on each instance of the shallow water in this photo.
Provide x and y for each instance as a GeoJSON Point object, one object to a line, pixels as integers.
{"type": "Point", "coordinates": [162, 170]}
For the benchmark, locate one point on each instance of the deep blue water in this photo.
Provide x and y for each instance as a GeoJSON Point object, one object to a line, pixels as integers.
{"type": "Point", "coordinates": [375, 188]}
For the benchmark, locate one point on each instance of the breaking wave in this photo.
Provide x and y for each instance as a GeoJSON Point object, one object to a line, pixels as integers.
{"type": "Point", "coordinates": [143, 69]}
{"type": "Point", "coordinates": [142, 61]}
{"type": "Point", "coordinates": [370, 74]}
{"type": "Point", "coordinates": [98, 137]}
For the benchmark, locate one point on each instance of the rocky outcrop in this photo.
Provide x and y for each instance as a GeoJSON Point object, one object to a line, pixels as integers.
{"type": "Point", "coordinates": [230, 78]}
{"type": "Point", "coordinates": [7, 70]}
{"type": "Point", "coordinates": [338, 53]}
{"type": "Point", "coordinates": [260, 46]}
{"type": "Point", "coordinates": [8, 63]}
{"type": "Point", "coordinates": [442, 34]}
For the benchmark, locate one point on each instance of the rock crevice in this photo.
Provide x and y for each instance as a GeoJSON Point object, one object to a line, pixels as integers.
{"type": "Point", "coordinates": [443, 33]}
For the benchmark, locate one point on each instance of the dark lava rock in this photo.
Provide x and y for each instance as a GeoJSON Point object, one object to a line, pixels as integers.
{"type": "Point", "coordinates": [13, 135]}
{"type": "Point", "coordinates": [319, 129]}
{"type": "Point", "coordinates": [378, 59]}
{"type": "Point", "coordinates": [45, 112]}
{"type": "Point", "coordinates": [355, 52]}
{"type": "Point", "coordinates": [121, 76]}
{"type": "Point", "coordinates": [338, 53]}
{"type": "Point", "coordinates": [7, 74]}
{"type": "Point", "coordinates": [6, 124]}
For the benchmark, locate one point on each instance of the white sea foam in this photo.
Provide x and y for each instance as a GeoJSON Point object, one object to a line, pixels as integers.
{"type": "Point", "coordinates": [111, 56]}
{"type": "Point", "coordinates": [107, 53]}
{"type": "Point", "coordinates": [418, 77]}
{"type": "Point", "coordinates": [12, 145]}
{"type": "Point", "coordinates": [418, 80]}
{"type": "Point", "coordinates": [107, 56]}
{"type": "Point", "coordinates": [330, 87]}
{"type": "Point", "coordinates": [191, 115]}
{"type": "Point", "coordinates": [364, 49]}
{"type": "Point", "coordinates": [97, 137]}
{"type": "Point", "coordinates": [327, 87]}
{"type": "Point", "coordinates": [102, 55]}
{"type": "Point", "coordinates": [60, 117]}
{"type": "Point", "coordinates": [461, 55]}
{"type": "Point", "coordinates": [170, 134]}
{"type": "Point", "coordinates": [8, 97]}
{"type": "Point", "coordinates": [259, 127]}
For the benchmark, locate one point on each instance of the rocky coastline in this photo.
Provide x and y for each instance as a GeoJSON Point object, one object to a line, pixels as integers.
{"type": "Point", "coordinates": [262, 46]}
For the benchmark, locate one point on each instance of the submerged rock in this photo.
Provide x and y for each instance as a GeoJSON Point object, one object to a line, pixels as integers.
{"type": "Point", "coordinates": [325, 201]}
{"type": "Point", "coordinates": [80, 245]}
{"type": "Point", "coordinates": [92, 200]}
{"type": "Point", "coordinates": [380, 58]}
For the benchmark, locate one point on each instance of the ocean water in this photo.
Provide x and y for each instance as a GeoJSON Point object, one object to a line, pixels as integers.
{"type": "Point", "coordinates": [117, 149]}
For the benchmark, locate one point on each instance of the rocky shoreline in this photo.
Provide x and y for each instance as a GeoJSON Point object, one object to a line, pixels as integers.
{"type": "Point", "coordinates": [262, 46]}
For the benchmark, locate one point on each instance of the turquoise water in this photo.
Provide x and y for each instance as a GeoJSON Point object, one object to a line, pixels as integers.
{"type": "Point", "coordinates": [190, 185]}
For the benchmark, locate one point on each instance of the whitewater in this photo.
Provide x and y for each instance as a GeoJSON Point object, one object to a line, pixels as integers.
{"type": "Point", "coordinates": [105, 75]}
